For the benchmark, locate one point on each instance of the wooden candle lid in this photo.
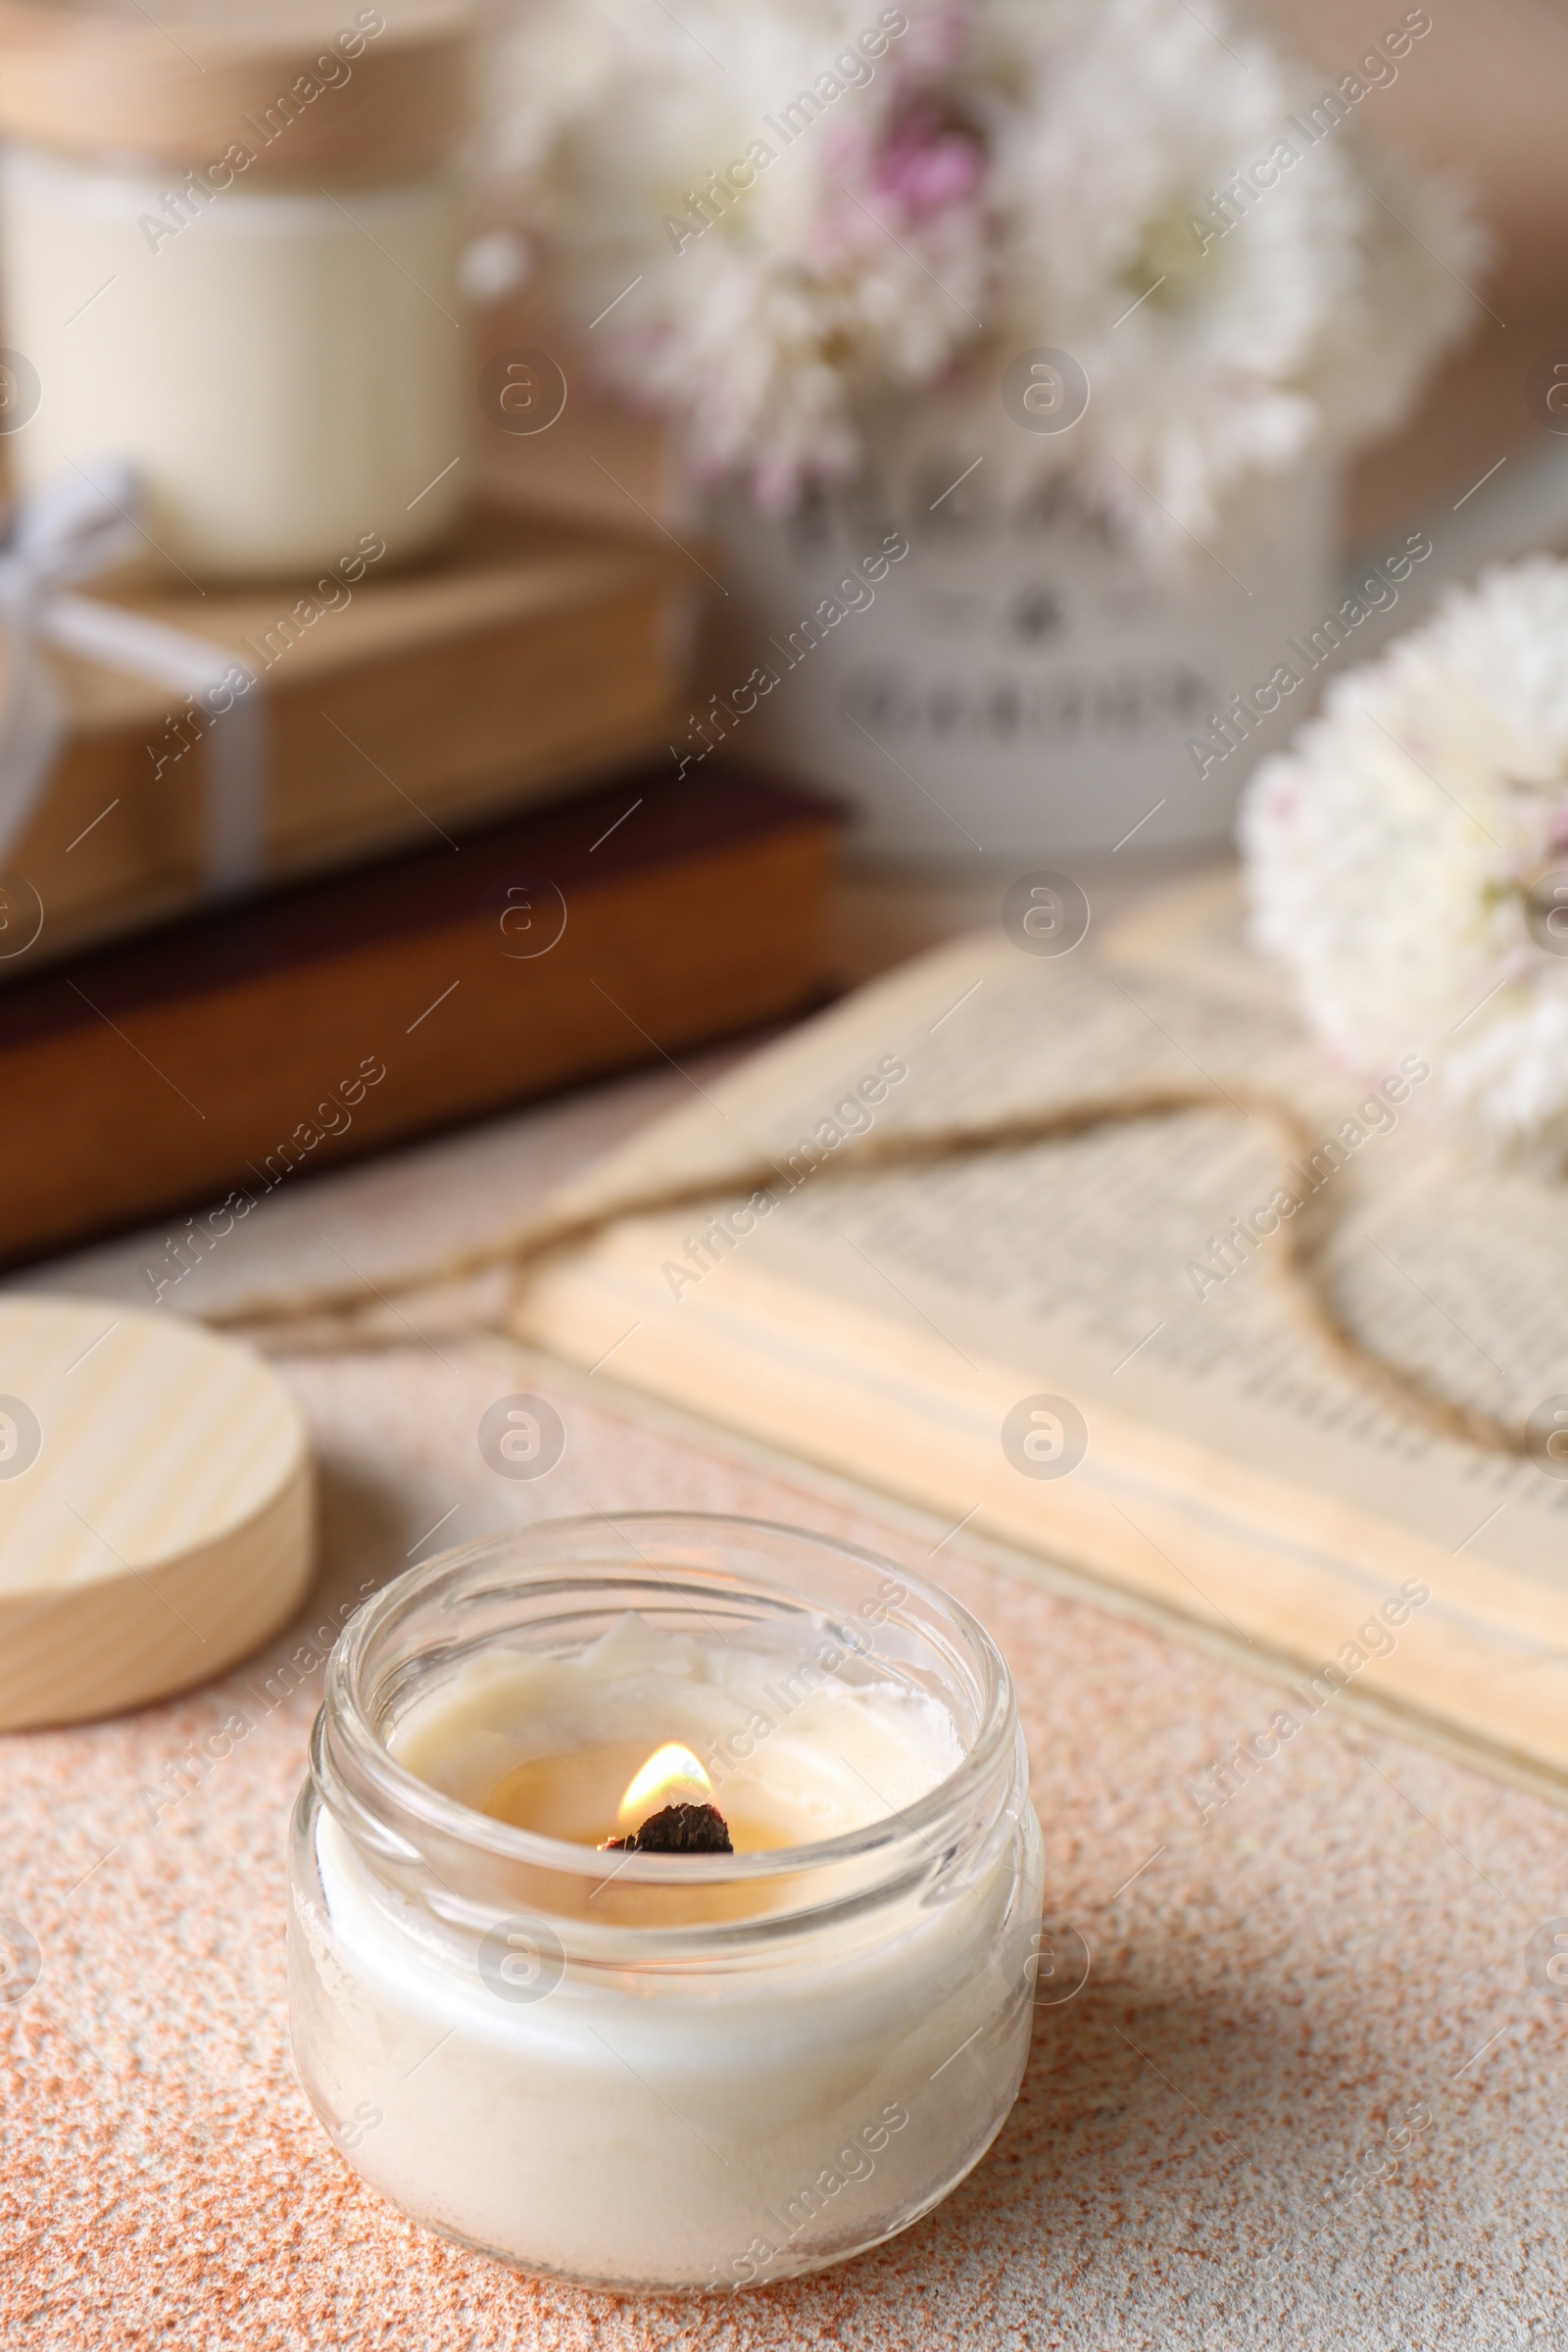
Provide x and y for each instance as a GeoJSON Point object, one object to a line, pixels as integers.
{"type": "Point", "coordinates": [154, 1506]}
{"type": "Point", "coordinates": [308, 94]}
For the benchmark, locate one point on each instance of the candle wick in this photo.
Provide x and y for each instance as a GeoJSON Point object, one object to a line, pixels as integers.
{"type": "Point", "coordinates": [677, 1830]}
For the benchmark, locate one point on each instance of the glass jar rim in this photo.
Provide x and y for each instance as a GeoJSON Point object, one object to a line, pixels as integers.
{"type": "Point", "coordinates": [354, 1765]}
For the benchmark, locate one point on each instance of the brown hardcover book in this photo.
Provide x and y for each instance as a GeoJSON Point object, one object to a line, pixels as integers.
{"type": "Point", "coordinates": [293, 1031]}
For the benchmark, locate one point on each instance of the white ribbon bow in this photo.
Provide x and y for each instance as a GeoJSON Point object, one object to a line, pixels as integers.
{"type": "Point", "coordinates": [71, 530]}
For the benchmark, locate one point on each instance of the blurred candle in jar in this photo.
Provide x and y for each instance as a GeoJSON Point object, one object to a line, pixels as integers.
{"type": "Point", "coordinates": [229, 253]}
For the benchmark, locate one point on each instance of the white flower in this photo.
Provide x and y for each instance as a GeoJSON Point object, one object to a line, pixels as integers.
{"type": "Point", "coordinates": [763, 317]}
{"type": "Point", "coordinates": [1116, 178]}
{"type": "Point", "coordinates": [1396, 854]}
{"type": "Point", "coordinates": [1406, 306]}
{"type": "Point", "coordinates": [1237, 295]}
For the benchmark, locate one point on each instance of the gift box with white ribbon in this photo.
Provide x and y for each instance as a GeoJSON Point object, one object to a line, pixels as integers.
{"type": "Point", "coordinates": [160, 744]}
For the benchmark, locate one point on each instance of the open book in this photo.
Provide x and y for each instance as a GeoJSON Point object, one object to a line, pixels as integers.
{"type": "Point", "coordinates": [1075, 1346]}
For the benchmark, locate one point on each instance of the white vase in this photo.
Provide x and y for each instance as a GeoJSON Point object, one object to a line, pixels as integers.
{"type": "Point", "coordinates": [1016, 685]}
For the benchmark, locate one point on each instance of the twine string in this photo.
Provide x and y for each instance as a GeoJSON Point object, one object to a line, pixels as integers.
{"type": "Point", "coordinates": [339, 1318]}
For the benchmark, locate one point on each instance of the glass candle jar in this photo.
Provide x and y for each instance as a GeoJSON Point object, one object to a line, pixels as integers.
{"type": "Point", "coordinates": [232, 259]}
{"type": "Point", "coordinates": [671, 2070]}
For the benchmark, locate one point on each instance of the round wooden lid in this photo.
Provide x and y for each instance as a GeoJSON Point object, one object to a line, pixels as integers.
{"type": "Point", "coordinates": [156, 1506]}
{"type": "Point", "coordinates": [343, 94]}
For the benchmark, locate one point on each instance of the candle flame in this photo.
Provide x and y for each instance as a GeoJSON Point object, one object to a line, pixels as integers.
{"type": "Point", "coordinates": [671, 1771]}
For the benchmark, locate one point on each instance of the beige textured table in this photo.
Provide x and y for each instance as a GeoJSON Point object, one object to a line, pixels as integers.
{"type": "Point", "coordinates": [1270, 1996]}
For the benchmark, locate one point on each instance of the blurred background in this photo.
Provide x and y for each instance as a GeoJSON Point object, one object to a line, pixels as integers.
{"type": "Point", "coordinates": [1480, 101]}
{"type": "Point", "coordinates": [689, 505]}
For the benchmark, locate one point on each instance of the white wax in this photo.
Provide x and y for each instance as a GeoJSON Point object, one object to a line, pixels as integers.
{"type": "Point", "coordinates": [287, 368]}
{"type": "Point", "coordinates": [708, 2125]}
{"type": "Point", "coordinates": [796, 1748]}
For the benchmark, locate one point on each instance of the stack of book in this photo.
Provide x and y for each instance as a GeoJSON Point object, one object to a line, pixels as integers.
{"type": "Point", "coordinates": [482, 874]}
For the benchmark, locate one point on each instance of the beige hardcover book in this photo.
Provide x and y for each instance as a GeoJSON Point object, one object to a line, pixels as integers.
{"type": "Point", "coordinates": [520, 662]}
{"type": "Point", "coordinates": [887, 1327]}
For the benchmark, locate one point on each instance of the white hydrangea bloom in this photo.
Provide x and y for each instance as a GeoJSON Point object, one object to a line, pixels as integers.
{"type": "Point", "coordinates": [1394, 853]}
{"type": "Point", "coordinates": [1004, 175]}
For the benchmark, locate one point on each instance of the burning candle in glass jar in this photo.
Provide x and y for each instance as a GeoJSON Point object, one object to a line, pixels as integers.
{"type": "Point", "coordinates": [666, 1891]}
{"type": "Point", "coordinates": [572, 1748]}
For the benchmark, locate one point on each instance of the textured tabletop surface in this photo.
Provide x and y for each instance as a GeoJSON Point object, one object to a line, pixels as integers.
{"type": "Point", "coordinates": [1310, 2094]}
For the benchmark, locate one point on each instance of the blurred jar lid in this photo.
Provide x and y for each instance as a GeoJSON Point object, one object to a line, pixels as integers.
{"type": "Point", "coordinates": [310, 89]}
